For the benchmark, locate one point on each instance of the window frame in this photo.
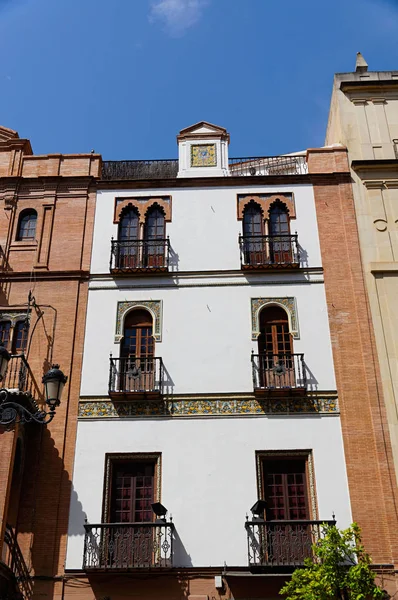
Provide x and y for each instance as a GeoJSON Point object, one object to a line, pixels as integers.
{"type": "Point", "coordinates": [307, 455]}
{"type": "Point", "coordinates": [24, 213]}
{"type": "Point", "coordinates": [112, 459]}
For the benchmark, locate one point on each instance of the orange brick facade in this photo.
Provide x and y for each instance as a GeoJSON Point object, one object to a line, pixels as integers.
{"type": "Point", "coordinates": [53, 269]}
{"type": "Point", "coordinates": [367, 445]}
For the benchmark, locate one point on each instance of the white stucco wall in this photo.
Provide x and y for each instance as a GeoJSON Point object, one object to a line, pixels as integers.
{"type": "Point", "coordinates": [204, 229]}
{"type": "Point", "coordinates": [206, 337]}
{"type": "Point", "coordinates": [208, 476]}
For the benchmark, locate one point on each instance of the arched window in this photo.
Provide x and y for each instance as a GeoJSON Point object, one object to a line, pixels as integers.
{"type": "Point", "coordinates": [274, 335]}
{"type": "Point", "coordinates": [27, 225]}
{"type": "Point", "coordinates": [20, 337]}
{"type": "Point", "coordinates": [154, 237]}
{"type": "Point", "coordinates": [253, 222]}
{"type": "Point", "coordinates": [129, 226]}
{"type": "Point", "coordinates": [127, 249]}
{"type": "Point", "coordinates": [5, 331]}
{"type": "Point", "coordinates": [137, 352]}
{"type": "Point", "coordinates": [279, 231]}
{"type": "Point", "coordinates": [253, 231]}
{"type": "Point", "coordinates": [275, 348]}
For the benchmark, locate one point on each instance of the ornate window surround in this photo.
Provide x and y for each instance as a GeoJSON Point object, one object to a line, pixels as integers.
{"type": "Point", "coordinates": [113, 458]}
{"type": "Point", "coordinates": [265, 201]}
{"type": "Point", "coordinates": [154, 307]}
{"type": "Point", "coordinates": [288, 304]}
{"type": "Point", "coordinates": [308, 456]}
{"type": "Point", "coordinates": [142, 204]}
{"type": "Point", "coordinates": [14, 316]}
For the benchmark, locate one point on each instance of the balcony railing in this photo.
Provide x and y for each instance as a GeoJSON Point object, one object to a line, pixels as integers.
{"type": "Point", "coordinates": [19, 376]}
{"type": "Point", "coordinates": [282, 543]}
{"type": "Point", "coordinates": [268, 165]}
{"type": "Point", "coordinates": [168, 169]}
{"type": "Point", "coordinates": [278, 372]}
{"type": "Point", "coordinates": [126, 546]}
{"type": "Point", "coordinates": [139, 255]}
{"type": "Point", "coordinates": [12, 557]}
{"type": "Point", "coordinates": [140, 169]}
{"type": "Point", "coordinates": [135, 376]}
{"type": "Point", "coordinates": [269, 251]}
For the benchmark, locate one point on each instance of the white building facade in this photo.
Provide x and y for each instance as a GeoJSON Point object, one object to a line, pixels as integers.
{"type": "Point", "coordinates": [208, 380]}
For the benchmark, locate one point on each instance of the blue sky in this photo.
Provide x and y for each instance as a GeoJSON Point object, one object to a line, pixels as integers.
{"type": "Point", "coordinates": [123, 77]}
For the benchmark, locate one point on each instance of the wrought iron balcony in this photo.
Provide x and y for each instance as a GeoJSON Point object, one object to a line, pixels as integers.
{"type": "Point", "coordinates": [19, 376]}
{"type": "Point", "coordinates": [279, 372]}
{"type": "Point", "coordinates": [268, 165]}
{"type": "Point", "coordinates": [168, 169]}
{"type": "Point", "coordinates": [19, 584]}
{"type": "Point", "coordinates": [140, 169]}
{"type": "Point", "coordinates": [269, 251]}
{"type": "Point", "coordinates": [135, 377]}
{"type": "Point", "coordinates": [139, 255]}
{"type": "Point", "coordinates": [282, 543]}
{"type": "Point", "coordinates": [127, 546]}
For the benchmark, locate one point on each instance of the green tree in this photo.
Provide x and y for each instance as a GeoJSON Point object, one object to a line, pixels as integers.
{"type": "Point", "coordinates": [340, 570]}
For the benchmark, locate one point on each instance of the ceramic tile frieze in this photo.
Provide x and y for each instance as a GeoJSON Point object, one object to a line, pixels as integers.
{"type": "Point", "coordinates": [201, 407]}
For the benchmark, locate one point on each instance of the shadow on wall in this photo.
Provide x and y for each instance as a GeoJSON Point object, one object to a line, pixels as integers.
{"type": "Point", "coordinates": [303, 256]}
{"type": "Point", "coordinates": [168, 383]}
{"type": "Point", "coordinates": [174, 259]}
{"type": "Point", "coordinates": [181, 558]}
{"type": "Point", "coordinates": [77, 516]}
{"type": "Point", "coordinates": [312, 382]}
{"type": "Point", "coordinates": [44, 509]}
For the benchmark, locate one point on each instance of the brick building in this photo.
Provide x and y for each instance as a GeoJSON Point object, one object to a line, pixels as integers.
{"type": "Point", "coordinates": [46, 222]}
{"type": "Point", "coordinates": [196, 272]}
{"type": "Point", "coordinates": [206, 387]}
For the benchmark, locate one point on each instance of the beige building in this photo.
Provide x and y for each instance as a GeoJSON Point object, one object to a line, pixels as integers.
{"type": "Point", "coordinates": [364, 118]}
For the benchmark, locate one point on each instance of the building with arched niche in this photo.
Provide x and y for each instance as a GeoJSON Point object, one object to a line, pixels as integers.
{"type": "Point", "coordinates": [208, 382]}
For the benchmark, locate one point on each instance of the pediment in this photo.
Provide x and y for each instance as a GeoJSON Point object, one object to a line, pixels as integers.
{"type": "Point", "coordinates": [203, 130]}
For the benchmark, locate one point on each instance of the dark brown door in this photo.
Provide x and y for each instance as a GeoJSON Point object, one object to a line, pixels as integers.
{"type": "Point", "coordinates": [128, 251]}
{"type": "Point", "coordinates": [279, 231]}
{"type": "Point", "coordinates": [128, 544]}
{"type": "Point", "coordinates": [253, 236]}
{"type": "Point", "coordinates": [275, 349]}
{"type": "Point", "coordinates": [154, 236]}
{"type": "Point", "coordinates": [285, 490]}
{"type": "Point", "coordinates": [137, 353]}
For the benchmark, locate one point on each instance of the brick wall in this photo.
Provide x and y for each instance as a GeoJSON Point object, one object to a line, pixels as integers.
{"type": "Point", "coordinates": [365, 432]}
{"type": "Point", "coordinates": [54, 269]}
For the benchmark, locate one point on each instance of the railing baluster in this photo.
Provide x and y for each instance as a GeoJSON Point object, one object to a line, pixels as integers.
{"type": "Point", "coordinates": [128, 545]}
{"type": "Point", "coordinates": [282, 543]}
{"type": "Point", "coordinates": [139, 255]}
{"type": "Point", "coordinates": [136, 375]}
{"type": "Point", "coordinates": [269, 251]}
{"type": "Point", "coordinates": [278, 371]}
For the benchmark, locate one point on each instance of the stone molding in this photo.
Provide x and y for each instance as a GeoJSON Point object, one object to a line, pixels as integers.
{"type": "Point", "coordinates": [265, 201]}
{"type": "Point", "coordinates": [154, 307]}
{"type": "Point", "coordinates": [142, 205]}
{"type": "Point", "coordinates": [288, 304]}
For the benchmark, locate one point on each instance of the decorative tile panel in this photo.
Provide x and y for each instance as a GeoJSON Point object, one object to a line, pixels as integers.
{"type": "Point", "coordinates": [289, 304]}
{"type": "Point", "coordinates": [155, 307]}
{"type": "Point", "coordinates": [203, 155]}
{"type": "Point", "coordinates": [95, 409]}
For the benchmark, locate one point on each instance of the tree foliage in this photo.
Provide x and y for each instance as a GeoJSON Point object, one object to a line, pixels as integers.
{"type": "Point", "coordinates": [340, 570]}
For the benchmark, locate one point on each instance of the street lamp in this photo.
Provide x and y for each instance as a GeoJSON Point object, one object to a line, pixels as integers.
{"type": "Point", "coordinates": [19, 406]}
{"type": "Point", "coordinates": [54, 381]}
